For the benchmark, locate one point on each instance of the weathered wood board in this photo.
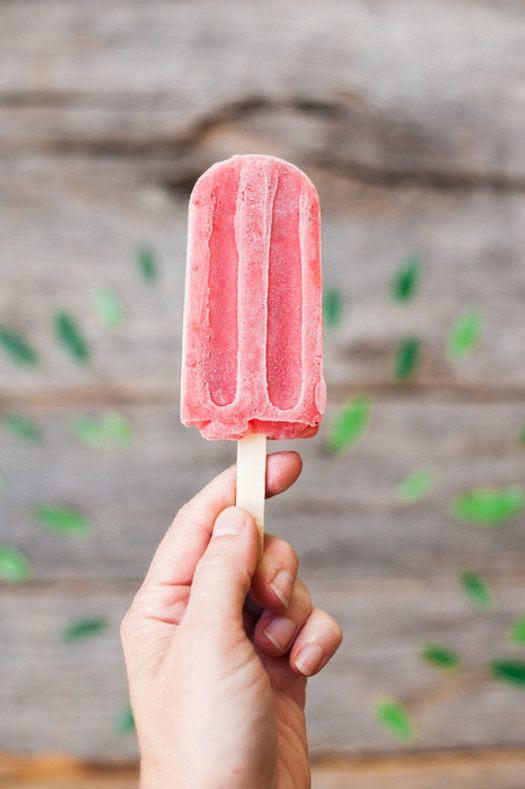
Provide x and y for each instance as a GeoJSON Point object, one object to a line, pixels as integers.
{"type": "Point", "coordinates": [70, 228]}
{"type": "Point", "coordinates": [343, 515]}
{"type": "Point", "coordinates": [409, 116]}
{"type": "Point", "coordinates": [474, 770]}
{"type": "Point", "coordinates": [471, 770]}
{"type": "Point", "coordinates": [81, 686]}
{"type": "Point", "coordinates": [428, 88]}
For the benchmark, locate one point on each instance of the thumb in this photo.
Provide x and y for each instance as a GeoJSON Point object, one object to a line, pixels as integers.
{"type": "Point", "coordinates": [223, 575]}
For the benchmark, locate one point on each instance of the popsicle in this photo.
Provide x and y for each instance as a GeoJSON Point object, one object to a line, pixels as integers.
{"type": "Point", "coordinates": [252, 338]}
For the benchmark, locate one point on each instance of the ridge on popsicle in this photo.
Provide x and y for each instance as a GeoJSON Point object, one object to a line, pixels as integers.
{"type": "Point", "coordinates": [252, 340]}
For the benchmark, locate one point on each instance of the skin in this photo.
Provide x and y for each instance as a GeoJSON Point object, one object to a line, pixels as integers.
{"type": "Point", "coordinates": [217, 702]}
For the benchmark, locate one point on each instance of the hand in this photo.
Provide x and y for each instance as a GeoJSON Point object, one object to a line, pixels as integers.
{"type": "Point", "coordinates": [218, 649]}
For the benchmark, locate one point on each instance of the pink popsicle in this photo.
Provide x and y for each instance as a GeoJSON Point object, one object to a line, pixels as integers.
{"type": "Point", "coordinates": [252, 348]}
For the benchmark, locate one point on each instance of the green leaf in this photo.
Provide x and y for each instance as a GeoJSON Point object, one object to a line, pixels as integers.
{"type": "Point", "coordinates": [111, 428]}
{"type": "Point", "coordinates": [83, 628]}
{"type": "Point", "coordinates": [440, 656]}
{"type": "Point", "coordinates": [124, 722]}
{"type": "Point", "coordinates": [416, 485]}
{"type": "Point", "coordinates": [521, 436]}
{"type": "Point", "coordinates": [510, 671]}
{"type": "Point", "coordinates": [109, 307]}
{"type": "Point", "coordinates": [490, 506]}
{"type": "Point", "coordinates": [406, 279]}
{"type": "Point", "coordinates": [21, 427]}
{"type": "Point", "coordinates": [332, 307]}
{"type": "Point", "coordinates": [147, 263]}
{"type": "Point", "coordinates": [14, 565]}
{"type": "Point", "coordinates": [407, 358]}
{"type": "Point", "coordinates": [464, 334]}
{"type": "Point", "coordinates": [517, 630]}
{"type": "Point", "coordinates": [477, 589]}
{"type": "Point", "coordinates": [349, 424]}
{"type": "Point", "coordinates": [87, 430]}
{"type": "Point", "coordinates": [70, 336]}
{"type": "Point", "coordinates": [63, 520]}
{"type": "Point", "coordinates": [395, 719]}
{"type": "Point", "coordinates": [116, 428]}
{"type": "Point", "coordinates": [16, 346]}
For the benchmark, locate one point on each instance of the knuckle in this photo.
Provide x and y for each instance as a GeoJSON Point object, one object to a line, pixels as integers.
{"type": "Point", "coordinates": [332, 625]}
{"type": "Point", "coordinates": [302, 590]}
{"type": "Point", "coordinates": [335, 630]}
{"type": "Point", "coordinates": [185, 514]}
{"type": "Point", "coordinates": [292, 558]}
{"type": "Point", "coordinates": [220, 553]}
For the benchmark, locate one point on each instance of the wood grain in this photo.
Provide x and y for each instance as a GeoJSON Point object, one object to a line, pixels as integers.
{"type": "Point", "coordinates": [388, 572]}
{"type": "Point", "coordinates": [387, 89]}
{"type": "Point", "coordinates": [132, 493]}
{"type": "Point", "coordinates": [72, 227]}
{"type": "Point", "coordinates": [79, 688]}
{"type": "Point", "coordinates": [409, 117]}
{"type": "Point", "coordinates": [470, 770]}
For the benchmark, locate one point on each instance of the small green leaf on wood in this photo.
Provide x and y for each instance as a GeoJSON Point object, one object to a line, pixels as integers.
{"type": "Point", "coordinates": [395, 719]}
{"type": "Point", "coordinates": [510, 671]}
{"type": "Point", "coordinates": [464, 334]}
{"type": "Point", "coordinates": [147, 263]}
{"type": "Point", "coordinates": [112, 428]}
{"type": "Point", "coordinates": [490, 506]}
{"type": "Point", "coordinates": [332, 307]}
{"type": "Point", "coordinates": [124, 722]}
{"type": "Point", "coordinates": [416, 485]}
{"type": "Point", "coordinates": [407, 358]}
{"type": "Point", "coordinates": [84, 627]}
{"type": "Point", "coordinates": [116, 428]}
{"type": "Point", "coordinates": [15, 567]}
{"type": "Point", "coordinates": [349, 425]}
{"type": "Point", "coordinates": [517, 630]}
{"type": "Point", "coordinates": [17, 347]}
{"type": "Point", "coordinates": [70, 336]}
{"type": "Point", "coordinates": [406, 279]}
{"type": "Point", "coordinates": [63, 520]}
{"type": "Point", "coordinates": [21, 427]}
{"type": "Point", "coordinates": [109, 307]}
{"type": "Point", "coordinates": [440, 656]}
{"type": "Point", "coordinates": [477, 589]}
{"type": "Point", "coordinates": [87, 430]}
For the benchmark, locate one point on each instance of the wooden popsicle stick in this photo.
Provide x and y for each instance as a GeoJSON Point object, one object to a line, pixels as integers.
{"type": "Point", "coordinates": [251, 479]}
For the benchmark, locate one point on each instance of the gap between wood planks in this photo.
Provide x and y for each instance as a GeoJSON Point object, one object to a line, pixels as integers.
{"type": "Point", "coordinates": [134, 394]}
{"type": "Point", "coordinates": [37, 769]}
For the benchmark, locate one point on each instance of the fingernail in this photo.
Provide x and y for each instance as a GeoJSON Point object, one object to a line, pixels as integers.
{"type": "Point", "coordinates": [232, 520]}
{"type": "Point", "coordinates": [309, 659]}
{"type": "Point", "coordinates": [279, 632]}
{"type": "Point", "coordinates": [282, 585]}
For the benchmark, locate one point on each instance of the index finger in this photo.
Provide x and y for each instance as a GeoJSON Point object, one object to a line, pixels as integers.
{"type": "Point", "coordinates": [188, 536]}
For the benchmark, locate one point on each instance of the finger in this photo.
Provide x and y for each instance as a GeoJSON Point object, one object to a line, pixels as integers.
{"type": "Point", "coordinates": [315, 644]}
{"type": "Point", "coordinates": [275, 575]}
{"type": "Point", "coordinates": [187, 538]}
{"type": "Point", "coordinates": [275, 633]}
{"type": "Point", "coordinates": [223, 575]}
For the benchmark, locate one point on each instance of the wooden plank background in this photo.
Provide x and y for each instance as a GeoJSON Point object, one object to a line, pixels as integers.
{"type": "Point", "coordinates": [409, 116]}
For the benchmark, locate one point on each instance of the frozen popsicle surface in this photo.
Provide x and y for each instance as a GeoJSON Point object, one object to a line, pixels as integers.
{"type": "Point", "coordinates": [252, 347]}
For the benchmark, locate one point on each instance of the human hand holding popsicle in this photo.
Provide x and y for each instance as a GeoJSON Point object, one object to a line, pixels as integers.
{"type": "Point", "coordinates": [218, 648]}
{"type": "Point", "coordinates": [218, 645]}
